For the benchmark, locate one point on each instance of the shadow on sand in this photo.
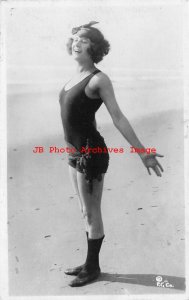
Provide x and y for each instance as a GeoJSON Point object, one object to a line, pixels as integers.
{"type": "Point", "coordinates": [162, 281]}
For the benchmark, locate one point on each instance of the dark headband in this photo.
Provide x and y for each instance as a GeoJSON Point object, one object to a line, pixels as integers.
{"type": "Point", "coordinates": [85, 26]}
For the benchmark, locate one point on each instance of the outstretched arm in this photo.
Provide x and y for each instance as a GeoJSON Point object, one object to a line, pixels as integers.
{"type": "Point", "coordinates": [120, 121]}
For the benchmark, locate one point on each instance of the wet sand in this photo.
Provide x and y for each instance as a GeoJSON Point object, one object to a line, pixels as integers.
{"type": "Point", "coordinates": [143, 215]}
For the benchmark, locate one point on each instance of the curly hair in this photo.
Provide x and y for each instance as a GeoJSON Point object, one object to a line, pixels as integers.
{"type": "Point", "coordinates": [99, 45]}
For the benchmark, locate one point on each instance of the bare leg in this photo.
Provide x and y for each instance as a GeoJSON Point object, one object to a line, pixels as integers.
{"type": "Point", "coordinates": [73, 178]}
{"type": "Point", "coordinates": [92, 214]}
{"type": "Point", "coordinates": [91, 205]}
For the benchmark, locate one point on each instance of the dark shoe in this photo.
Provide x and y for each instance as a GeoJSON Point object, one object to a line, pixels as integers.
{"type": "Point", "coordinates": [85, 277]}
{"type": "Point", "coordinates": [74, 271]}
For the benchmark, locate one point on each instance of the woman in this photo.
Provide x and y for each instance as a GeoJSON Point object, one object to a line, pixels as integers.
{"type": "Point", "coordinates": [80, 98]}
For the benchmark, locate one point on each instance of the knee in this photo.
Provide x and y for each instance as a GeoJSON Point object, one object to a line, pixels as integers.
{"type": "Point", "coordinates": [92, 216]}
{"type": "Point", "coordinates": [88, 216]}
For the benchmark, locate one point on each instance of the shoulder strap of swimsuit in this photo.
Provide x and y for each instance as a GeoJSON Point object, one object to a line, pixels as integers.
{"type": "Point", "coordinates": [88, 78]}
{"type": "Point", "coordinates": [92, 74]}
{"type": "Point", "coordinates": [95, 72]}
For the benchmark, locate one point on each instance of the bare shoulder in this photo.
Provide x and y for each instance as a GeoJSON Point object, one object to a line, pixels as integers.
{"type": "Point", "coordinates": [100, 80]}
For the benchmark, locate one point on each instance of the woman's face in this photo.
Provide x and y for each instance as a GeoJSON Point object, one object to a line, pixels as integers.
{"type": "Point", "coordinates": [80, 46]}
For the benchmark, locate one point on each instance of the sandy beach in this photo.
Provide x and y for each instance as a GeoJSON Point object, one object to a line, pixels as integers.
{"type": "Point", "coordinates": [143, 215]}
{"type": "Point", "coordinates": [143, 252]}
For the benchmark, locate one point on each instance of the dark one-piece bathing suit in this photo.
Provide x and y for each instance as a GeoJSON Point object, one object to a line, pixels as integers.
{"type": "Point", "coordinates": [78, 115]}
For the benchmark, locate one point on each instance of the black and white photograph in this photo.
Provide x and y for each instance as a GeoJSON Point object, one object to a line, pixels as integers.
{"type": "Point", "coordinates": [93, 132]}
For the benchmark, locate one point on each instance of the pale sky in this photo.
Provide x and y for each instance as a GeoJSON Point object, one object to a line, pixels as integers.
{"type": "Point", "coordinates": [145, 37]}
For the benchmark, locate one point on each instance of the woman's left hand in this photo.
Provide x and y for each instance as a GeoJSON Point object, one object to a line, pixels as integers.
{"type": "Point", "coordinates": [150, 161]}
